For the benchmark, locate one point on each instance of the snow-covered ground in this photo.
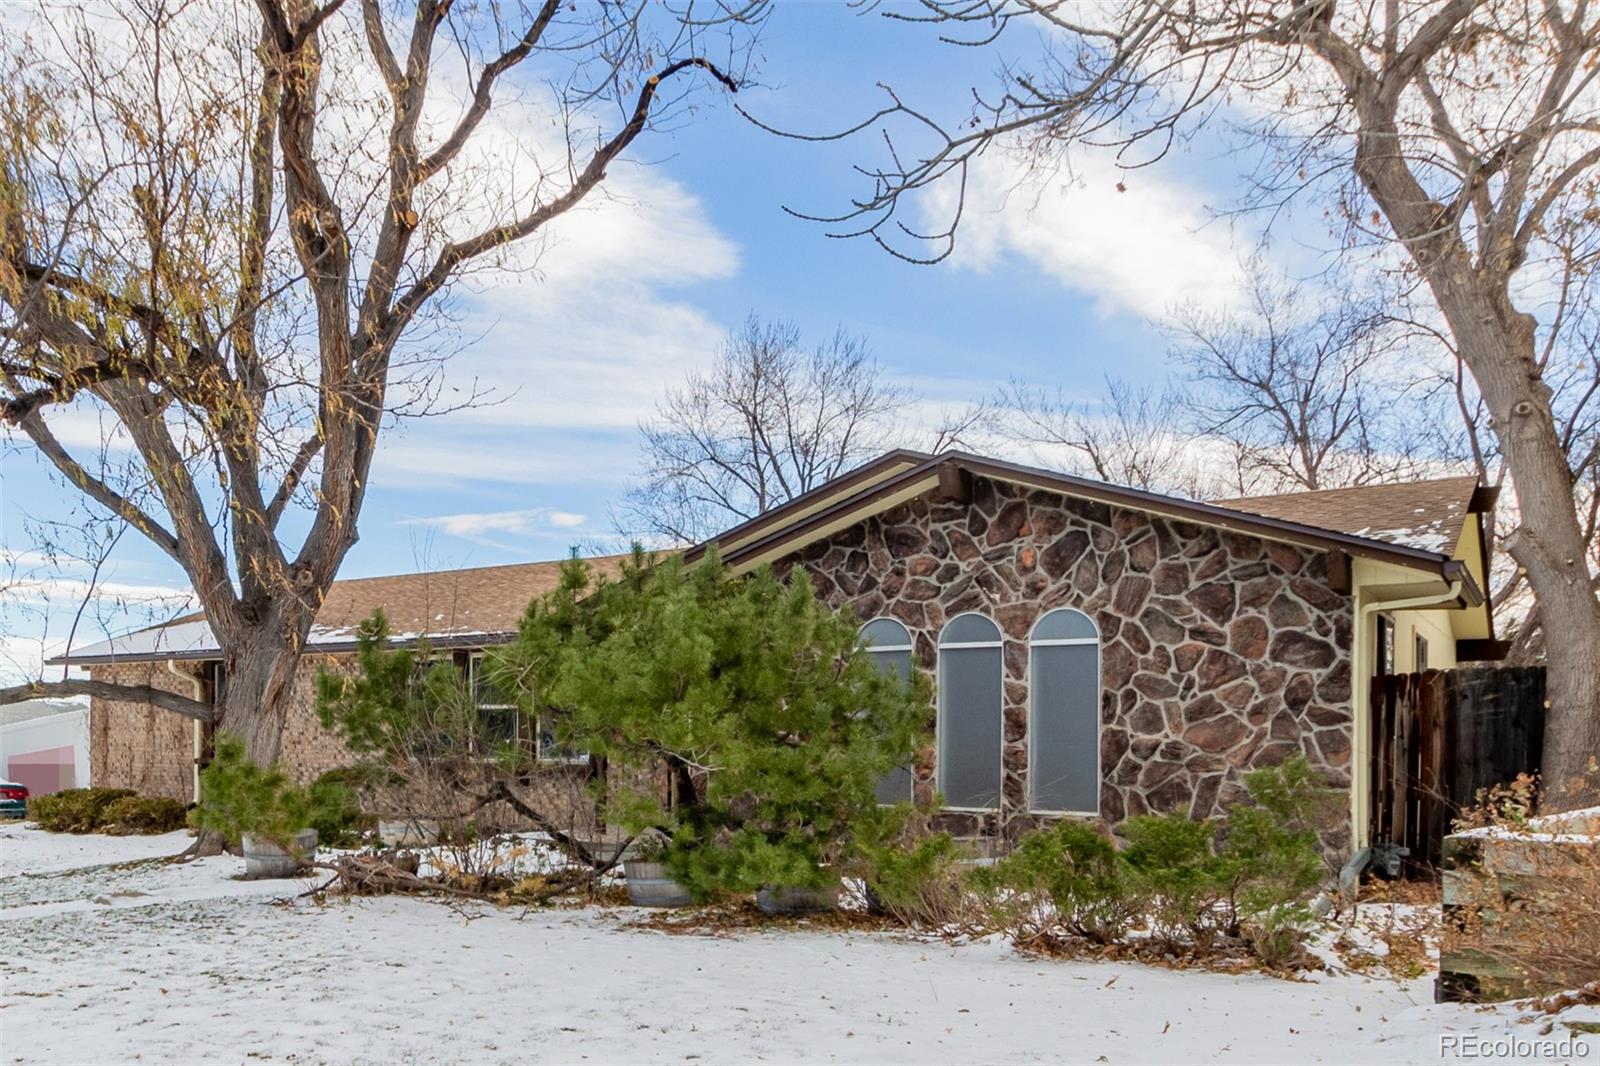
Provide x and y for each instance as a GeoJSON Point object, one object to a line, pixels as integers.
{"type": "Point", "coordinates": [165, 962]}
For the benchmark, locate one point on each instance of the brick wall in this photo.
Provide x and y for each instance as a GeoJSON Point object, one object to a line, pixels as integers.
{"type": "Point", "coordinates": [137, 746]}
{"type": "Point", "coordinates": [309, 750]}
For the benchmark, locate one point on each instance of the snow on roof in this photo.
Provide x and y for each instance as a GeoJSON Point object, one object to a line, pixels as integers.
{"type": "Point", "coordinates": [453, 605]}
{"type": "Point", "coordinates": [29, 710]}
{"type": "Point", "coordinates": [1426, 515]}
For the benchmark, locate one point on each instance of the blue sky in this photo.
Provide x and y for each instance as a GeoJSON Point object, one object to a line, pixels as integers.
{"type": "Point", "coordinates": [1055, 284]}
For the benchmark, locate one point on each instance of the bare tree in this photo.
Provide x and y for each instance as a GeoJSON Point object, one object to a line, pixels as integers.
{"type": "Point", "coordinates": [1133, 435]}
{"type": "Point", "coordinates": [1459, 429]}
{"type": "Point", "coordinates": [1295, 384]}
{"type": "Point", "coordinates": [1461, 133]}
{"type": "Point", "coordinates": [770, 420]}
{"type": "Point", "coordinates": [221, 226]}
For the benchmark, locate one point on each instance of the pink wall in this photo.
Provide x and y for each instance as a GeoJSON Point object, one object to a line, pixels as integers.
{"type": "Point", "coordinates": [44, 771]}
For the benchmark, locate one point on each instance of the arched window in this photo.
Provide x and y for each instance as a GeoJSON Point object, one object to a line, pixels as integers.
{"type": "Point", "coordinates": [969, 712]}
{"type": "Point", "coordinates": [889, 644]}
{"type": "Point", "coordinates": [1064, 714]}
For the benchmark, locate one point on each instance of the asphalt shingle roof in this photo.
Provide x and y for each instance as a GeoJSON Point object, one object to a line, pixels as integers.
{"type": "Point", "coordinates": [1418, 514]}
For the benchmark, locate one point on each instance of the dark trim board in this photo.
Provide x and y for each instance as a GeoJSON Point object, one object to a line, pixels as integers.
{"type": "Point", "coordinates": [1492, 651]}
{"type": "Point", "coordinates": [800, 502]}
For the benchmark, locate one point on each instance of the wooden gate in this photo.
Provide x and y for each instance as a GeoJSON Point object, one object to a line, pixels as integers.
{"type": "Point", "coordinates": [1440, 736]}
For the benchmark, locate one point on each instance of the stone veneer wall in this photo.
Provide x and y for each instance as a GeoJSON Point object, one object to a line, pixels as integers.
{"type": "Point", "coordinates": [1220, 652]}
{"type": "Point", "coordinates": [137, 746]}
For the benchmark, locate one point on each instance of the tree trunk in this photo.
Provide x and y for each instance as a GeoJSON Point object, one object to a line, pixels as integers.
{"type": "Point", "coordinates": [257, 685]}
{"type": "Point", "coordinates": [258, 682]}
{"type": "Point", "coordinates": [1496, 341]}
{"type": "Point", "coordinates": [1497, 344]}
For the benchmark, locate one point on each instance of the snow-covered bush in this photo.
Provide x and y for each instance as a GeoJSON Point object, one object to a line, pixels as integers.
{"type": "Point", "coordinates": [119, 811]}
{"type": "Point", "coordinates": [143, 815]}
{"type": "Point", "coordinates": [74, 810]}
{"type": "Point", "coordinates": [1179, 886]}
{"type": "Point", "coordinates": [1066, 881]}
{"type": "Point", "coordinates": [911, 872]}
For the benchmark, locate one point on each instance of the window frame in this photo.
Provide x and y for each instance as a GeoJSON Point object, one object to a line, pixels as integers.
{"type": "Point", "coordinates": [1385, 653]}
{"type": "Point", "coordinates": [1033, 708]}
{"type": "Point", "coordinates": [473, 664]}
{"type": "Point", "coordinates": [1419, 653]}
{"type": "Point", "coordinates": [940, 765]}
{"type": "Point", "coordinates": [910, 648]}
{"type": "Point", "coordinates": [536, 742]}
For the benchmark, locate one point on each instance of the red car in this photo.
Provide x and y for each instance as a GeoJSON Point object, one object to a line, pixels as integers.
{"type": "Point", "coordinates": [13, 800]}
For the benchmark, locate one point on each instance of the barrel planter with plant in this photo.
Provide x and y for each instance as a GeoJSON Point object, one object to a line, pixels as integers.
{"type": "Point", "coordinates": [259, 808]}
{"type": "Point", "coordinates": [650, 885]}
{"type": "Point", "coordinates": [263, 857]}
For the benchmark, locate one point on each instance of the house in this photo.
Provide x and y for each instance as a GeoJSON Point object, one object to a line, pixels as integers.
{"type": "Point", "coordinates": [139, 746]}
{"type": "Point", "coordinates": [1097, 650]}
{"type": "Point", "coordinates": [44, 744]}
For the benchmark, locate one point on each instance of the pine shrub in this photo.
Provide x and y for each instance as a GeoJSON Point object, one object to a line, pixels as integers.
{"type": "Point", "coordinates": [770, 722]}
{"type": "Point", "coordinates": [336, 809]}
{"type": "Point", "coordinates": [238, 797]}
{"type": "Point", "coordinates": [1186, 886]}
{"type": "Point", "coordinates": [911, 873]}
{"type": "Point", "coordinates": [1202, 886]}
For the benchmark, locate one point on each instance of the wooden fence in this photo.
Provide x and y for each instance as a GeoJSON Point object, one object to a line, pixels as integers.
{"type": "Point", "coordinates": [1440, 736]}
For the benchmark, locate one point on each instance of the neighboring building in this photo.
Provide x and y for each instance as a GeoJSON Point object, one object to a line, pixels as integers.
{"type": "Point", "coordinates": [139, 746]}
{"type": "Point", "coordinates": [1097, 650]}
{"type": "Point", "coordinates": [44, 744]}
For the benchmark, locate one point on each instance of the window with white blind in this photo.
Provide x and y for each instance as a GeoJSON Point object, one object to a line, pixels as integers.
{"type": "Point", "coordinates": [969, 727]}
{"type": "Point", "coordinates": [888, 643]}
{"type": "Point", "coordinates": [1064, 714]}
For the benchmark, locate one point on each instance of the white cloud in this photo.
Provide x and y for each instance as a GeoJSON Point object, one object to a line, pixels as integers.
{"type": "Point", "coordinates": [588, 342]}
{"type": "Point", "coordinates": [68, 590]}
{"type": "Point", "coordinates": [1142, 250]}
{"type": "Point", "coordinates": [524, 522]}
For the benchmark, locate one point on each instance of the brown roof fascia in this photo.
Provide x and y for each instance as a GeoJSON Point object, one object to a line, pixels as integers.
{"type": "Point", "coordinates": [799, 503]}
{"type": "Point", "coordinates": [1203, 513]}
{"type": "Point", "coordinates": [876, 491]}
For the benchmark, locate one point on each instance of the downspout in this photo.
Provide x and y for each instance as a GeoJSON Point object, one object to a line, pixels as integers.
{"type": "Point", "coordinates": [1352, 869]}
{"type": "Point", "coordinates": [197, 691]}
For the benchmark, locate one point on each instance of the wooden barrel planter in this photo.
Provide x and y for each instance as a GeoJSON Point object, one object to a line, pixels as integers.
{"type": "Point", "coordinates": [649, 885]}
{"type": "Point", "coordinates": [1505, 892]}
{"type": "Point", "coordinates": [264, 859]}
{"type": "Point", "coordinates": [790, 900]}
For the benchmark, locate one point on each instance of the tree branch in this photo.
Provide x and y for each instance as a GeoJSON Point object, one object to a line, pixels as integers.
{"type": "Point", "coordinates": [456, 253]}
{"type": "Point", "coordinates": [105, 690]}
